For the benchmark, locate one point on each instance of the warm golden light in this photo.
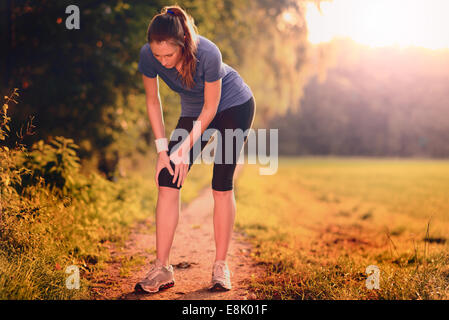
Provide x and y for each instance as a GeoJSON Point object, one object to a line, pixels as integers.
{"type": "Point", "coordinates": [382, 22]}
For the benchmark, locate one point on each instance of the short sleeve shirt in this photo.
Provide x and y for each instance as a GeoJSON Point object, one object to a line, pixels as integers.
{"type": "Point", "coordinates": [210, 68]}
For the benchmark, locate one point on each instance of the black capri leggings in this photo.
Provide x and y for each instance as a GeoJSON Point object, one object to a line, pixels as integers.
{"type": "Point", "coordinates": [236, 117]}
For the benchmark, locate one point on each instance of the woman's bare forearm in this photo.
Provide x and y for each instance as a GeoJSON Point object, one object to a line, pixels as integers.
{"type": "Point", "coordinates": [154, 112]}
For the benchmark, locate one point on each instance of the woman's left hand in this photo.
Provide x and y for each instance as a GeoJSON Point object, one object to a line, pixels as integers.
{"type": "Point", "coordinates": [181, 159]}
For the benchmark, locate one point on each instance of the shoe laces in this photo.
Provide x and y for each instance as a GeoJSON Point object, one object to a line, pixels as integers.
{"type": "Point", "coordinates": [155, 267]}
{"type": "Point", "coordinates": [220, 269]}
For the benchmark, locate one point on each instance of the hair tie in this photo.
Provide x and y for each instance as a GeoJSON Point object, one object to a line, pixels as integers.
{"type": "Point", "coordinates": [171, 12]}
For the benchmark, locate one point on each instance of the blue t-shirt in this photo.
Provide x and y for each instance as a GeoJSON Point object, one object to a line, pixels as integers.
{"type": "Point", "coordinates": [210, 67]}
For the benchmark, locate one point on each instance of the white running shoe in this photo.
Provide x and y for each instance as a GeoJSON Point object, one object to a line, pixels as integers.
{"type": "Point", "coordinates": [221, 277]}
{"type": "Point", "coordinates": [158, 278]}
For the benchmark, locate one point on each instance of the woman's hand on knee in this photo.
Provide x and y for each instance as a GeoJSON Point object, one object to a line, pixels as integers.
{"type": "Point", "coordinates": [181, 170]}
{"type": "Point", "coordinates": [163, 161]}
{"type": "Point", "coordinates": [181, 159]}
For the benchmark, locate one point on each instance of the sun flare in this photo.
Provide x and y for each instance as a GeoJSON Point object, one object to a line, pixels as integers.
{"type": "Point", "coordinates": [381, 22]}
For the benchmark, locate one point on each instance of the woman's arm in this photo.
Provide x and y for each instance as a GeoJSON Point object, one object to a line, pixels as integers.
{"type": "Point", "coordinates": [153, 104]}
{"type": "Point", "coordinates": [154, 111]}
{"type": "Point", "coordinates": [212, 94]}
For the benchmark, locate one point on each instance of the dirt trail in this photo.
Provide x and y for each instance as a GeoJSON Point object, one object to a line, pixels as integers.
{"type": "Point", "coordinates": [192, 257]}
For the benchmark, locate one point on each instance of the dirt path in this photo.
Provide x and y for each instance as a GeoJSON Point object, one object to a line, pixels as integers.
{"type": "Point", "coordinates": [192, 257]}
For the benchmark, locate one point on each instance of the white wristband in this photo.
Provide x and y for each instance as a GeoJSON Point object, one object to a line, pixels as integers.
{"type": "Point", "coordinates": [161, 144]}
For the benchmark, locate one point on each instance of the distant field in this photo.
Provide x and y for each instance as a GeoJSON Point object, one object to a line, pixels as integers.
{"type": "Point", "coordinates": [319, 222]}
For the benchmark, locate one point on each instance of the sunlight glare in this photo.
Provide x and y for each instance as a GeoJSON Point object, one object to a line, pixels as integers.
{"type": "Point", "coordinates": [381, 22]}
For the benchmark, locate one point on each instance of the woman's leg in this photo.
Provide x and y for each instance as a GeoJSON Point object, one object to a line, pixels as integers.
{"type": "Point", "coordinates": [237, 117]}
{"type": "Point", "coordinates": [224, 215]}
{"type": "Point", "coordinates": [167, 215]}
{"type": "Point", "coordinates": [168, 203]}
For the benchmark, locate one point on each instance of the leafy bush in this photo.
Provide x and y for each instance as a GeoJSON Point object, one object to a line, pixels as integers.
{"type": "Point", "coordinates": [56, 163]}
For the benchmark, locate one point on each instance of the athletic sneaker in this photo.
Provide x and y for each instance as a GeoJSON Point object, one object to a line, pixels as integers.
{"type": "Point", "coordinates": [159, 277]}
{"type": "Point", "coordinates": [221, 277]}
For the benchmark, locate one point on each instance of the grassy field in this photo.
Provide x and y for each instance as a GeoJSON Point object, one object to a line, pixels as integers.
{"type": "Point", "coordinates": [318, 223]}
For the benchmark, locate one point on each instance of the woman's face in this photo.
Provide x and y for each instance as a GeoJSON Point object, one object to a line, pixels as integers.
{"type": "Point", "coordinates": [167, 53]}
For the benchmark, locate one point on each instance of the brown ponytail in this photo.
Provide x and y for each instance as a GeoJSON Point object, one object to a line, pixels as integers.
{"type": "Point", "coordinates": [172, 24]}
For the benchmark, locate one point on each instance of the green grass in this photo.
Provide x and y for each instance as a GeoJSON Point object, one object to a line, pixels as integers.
{"type": "Point", "coordinates": [419, 188]}
{"type": "Point", "coordinates": [319, 222]}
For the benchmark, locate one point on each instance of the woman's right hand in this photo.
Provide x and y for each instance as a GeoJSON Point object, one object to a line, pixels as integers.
{"type": "Point", "coordinates": [163, 161]}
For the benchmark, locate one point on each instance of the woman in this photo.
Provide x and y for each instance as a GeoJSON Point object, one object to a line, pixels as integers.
{"type": "Point", "coordinates": [213, 96]}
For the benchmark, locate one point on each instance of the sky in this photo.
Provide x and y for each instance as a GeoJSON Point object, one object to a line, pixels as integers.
{"type": "Point", "coordinates": [379, 23]}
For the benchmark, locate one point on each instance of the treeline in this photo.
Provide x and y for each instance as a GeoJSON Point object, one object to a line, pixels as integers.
{"type": "Point", "coordinates": [373, 102]}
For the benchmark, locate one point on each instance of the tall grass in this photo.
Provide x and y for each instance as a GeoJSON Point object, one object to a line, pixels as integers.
{"type": "Point", "coordinates": [320, 222]}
